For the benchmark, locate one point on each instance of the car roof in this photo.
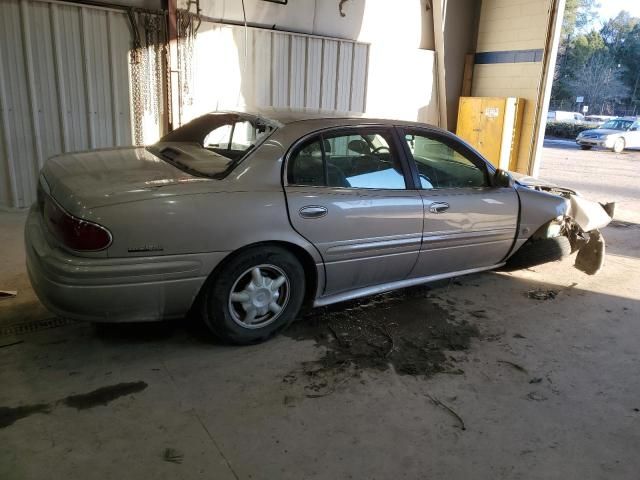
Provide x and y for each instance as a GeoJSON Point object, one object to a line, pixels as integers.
{"type": "Point", "coordinates": [285, 116]}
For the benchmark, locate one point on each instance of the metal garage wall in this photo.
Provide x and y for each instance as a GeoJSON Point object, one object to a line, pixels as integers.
{"type": "Point", "coordinates": [233, 67]}
{"type": "Point", "coordinates": [64, 86]}
{"type": "Point", "coordinates": [66, 83]}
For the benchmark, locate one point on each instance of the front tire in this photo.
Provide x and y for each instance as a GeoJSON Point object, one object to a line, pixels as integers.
{"type": "Point", "coordinates": [585, 147]}
{"type": "Point", "coordinates": [537, 252]}
{"type": "Point", "coordinates": [254, 295]}
{"type": "Point", "coordinates": [618, 146]}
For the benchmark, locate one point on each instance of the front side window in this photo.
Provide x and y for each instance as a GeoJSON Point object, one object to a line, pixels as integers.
{"type": "Point", "coordinates": [359, 159]}
{"type": "Point", "coordinates": [440, 165]}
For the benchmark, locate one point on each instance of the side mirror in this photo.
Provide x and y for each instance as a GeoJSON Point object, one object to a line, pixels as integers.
{"type": "Point", "coordinates": [633, 129]}
{"type": "Point", "coordinates": [502, 179]}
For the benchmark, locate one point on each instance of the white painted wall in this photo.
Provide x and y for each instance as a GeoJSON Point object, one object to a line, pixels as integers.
{"type": "Point", "coordinates": [265, 68]}
{"type": "Point", "coordinates": [401, 76]}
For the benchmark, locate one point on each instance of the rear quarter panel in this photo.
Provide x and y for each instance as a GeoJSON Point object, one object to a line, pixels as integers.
{"type": "Point", "coordinates": [247, 207]}
{"type": "Point", "coordinates": [220, 221]}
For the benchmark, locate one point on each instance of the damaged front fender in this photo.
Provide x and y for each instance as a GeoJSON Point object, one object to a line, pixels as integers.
{"type": "Point", "coordinates": [589, 217]}
{"type": "Point", "coordinates": [590, 258]}
{"type": "Point", "coordinates": [587, 214]}
{"type": "Point", "coordinates": [580, 219]}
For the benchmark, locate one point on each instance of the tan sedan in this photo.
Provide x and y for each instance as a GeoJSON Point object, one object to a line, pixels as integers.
{"type": "Point", "coordinates": [244, 217]}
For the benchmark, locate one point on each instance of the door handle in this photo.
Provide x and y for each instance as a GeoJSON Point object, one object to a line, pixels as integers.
{"type": "Point", "coordinates": [313, 211]}
{"type": "Point", "coordinates": [438, 207]}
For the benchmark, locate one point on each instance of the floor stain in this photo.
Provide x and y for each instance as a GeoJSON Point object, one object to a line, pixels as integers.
{"type": "Point", "coordinates": [403, 329]}
{"type": "Point", "coordinates": [9, 415]}
{"type": "Point", "coordinates": [100, 396]}
{"type": "Point", "coordinates": [103, 395]}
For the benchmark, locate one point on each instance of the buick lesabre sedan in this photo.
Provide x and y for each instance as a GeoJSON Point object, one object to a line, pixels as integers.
{"type": "Point", "coordinates": [244, 218]}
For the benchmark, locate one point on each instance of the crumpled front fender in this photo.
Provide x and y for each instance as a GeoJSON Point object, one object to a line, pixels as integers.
{"type": "Point", "coordinates": [587, 216]}
{"type": "Point", "coordinates": [580, 219]}
{"type": "Point", "coordinates": [590, 258]}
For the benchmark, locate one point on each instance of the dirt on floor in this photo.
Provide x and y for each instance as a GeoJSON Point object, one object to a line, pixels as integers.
{"type": "Point", "coordinates": [404, 330]}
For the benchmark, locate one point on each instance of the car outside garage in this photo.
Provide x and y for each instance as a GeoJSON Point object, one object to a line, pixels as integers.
{"type": "Point", "coordinates": [296, 167]}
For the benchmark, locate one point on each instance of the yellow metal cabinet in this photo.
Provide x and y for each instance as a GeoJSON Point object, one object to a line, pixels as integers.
{"type": "Point", "coordinates": [492, 126]}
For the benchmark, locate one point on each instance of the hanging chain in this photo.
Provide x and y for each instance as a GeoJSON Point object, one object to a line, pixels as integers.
{"type": "Point", "coordinates": [188, 25]}
{"type": "Point", "coordinates": [146, 72]}
{"type": "Point", "coordinates": [136, 80]}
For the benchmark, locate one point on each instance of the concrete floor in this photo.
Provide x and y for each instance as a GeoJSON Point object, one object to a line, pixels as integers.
{"type": "Point", "coordinates": [549, 390]}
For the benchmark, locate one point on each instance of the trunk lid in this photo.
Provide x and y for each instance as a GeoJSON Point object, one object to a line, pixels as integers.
{"type": "Point", "coordinates": [104, 177]}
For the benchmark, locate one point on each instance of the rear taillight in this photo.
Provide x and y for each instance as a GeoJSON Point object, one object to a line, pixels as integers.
{"type": "Point", "coordinates": [73, 232]}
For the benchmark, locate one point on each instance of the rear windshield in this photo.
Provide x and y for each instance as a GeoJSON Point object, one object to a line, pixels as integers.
{"type": "Point", "coordinates": [213, 144]}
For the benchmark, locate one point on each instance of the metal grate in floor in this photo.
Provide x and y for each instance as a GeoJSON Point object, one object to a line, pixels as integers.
{"type": "Point", "coordinates": [35, 326]}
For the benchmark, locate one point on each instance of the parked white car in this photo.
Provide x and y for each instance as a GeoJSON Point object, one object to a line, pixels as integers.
{"type": "Point", "coordinates": [598, 119]}
{"type": "Point", "coordinates": [616, 135]}
{"type": "Point", "coordinates": [565, 117]}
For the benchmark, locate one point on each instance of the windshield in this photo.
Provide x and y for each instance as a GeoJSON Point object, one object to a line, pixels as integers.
{"type": "Point", "coordinates": [213, 144]}
{"type": "Point", "coordinates": [617, 124]}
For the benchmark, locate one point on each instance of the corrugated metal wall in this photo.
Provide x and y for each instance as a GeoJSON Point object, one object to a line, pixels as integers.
{"type": "Point", "coordinates": [231, 67]}
{"type": "Point", "coordinates": [65, 81]}
{"type": "Point", "coordinates": [64, 86]}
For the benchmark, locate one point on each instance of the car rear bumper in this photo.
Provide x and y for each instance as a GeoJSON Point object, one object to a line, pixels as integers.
{"type": "Point", "coordinates": [113, 289]}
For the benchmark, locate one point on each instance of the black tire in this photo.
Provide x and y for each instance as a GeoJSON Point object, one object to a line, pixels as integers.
{"type": "Point", "coordinates": [215, 309]}
{"type": "Point", "coordinates": [585, 147]}
{"type": "Point", "coordinates": [537, 252]}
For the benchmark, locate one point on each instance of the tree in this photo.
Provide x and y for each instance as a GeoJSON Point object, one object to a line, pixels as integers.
{"type": "Point", "coordinates": [578, 15]}
{"type": "Point", "coordinates": [576, 56]}
{"type": "Point", "coordinates": [616, 30]}
{"type": "Point", "coordinates": [622, 36]}
{"type": "Point", "coordinates": [603, 64]}
{"type": "Point", "coordinates": [630, 56]}
{"type": "Point", "coordinates": [583, 48]}
{"type": "Point", "coordinates": [600, 82]}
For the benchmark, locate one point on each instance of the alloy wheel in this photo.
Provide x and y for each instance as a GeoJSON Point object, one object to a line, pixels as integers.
{"type": "Point", "coordinates": [259, 296]}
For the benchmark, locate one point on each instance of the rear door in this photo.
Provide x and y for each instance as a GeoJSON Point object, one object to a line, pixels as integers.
{"type": "Point", "coordinates": [468, 223]}
{"type": "Point", "coordinates": [347, 194]}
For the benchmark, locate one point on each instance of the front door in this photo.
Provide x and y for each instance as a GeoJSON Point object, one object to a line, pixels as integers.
{"type": "Point", "coordinates": [632, 138]}
{"type": "Point", "coordinates": [347, 194]}
{"type": "Point", "coordinates": [468, 223]}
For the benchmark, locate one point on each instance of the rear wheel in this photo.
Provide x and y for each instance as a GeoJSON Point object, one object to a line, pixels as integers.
{"type": "Point", "coordinates": [537, 252]}
{"type": "Point", "coordinates": [618, 146]}
{"type": "Point", "coordinates": [585, 147]}
{"type": "Point", "coordinates": [255, 294]}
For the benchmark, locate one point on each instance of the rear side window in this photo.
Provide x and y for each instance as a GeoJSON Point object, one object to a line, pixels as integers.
{"type": "Point", "coordinates": [306, 166]}
{"type": "Point", "coordinates": [358, 159]}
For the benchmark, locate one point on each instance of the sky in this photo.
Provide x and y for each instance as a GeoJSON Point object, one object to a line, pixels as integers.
{"type": "Point", "coordinates": [610, 8]}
